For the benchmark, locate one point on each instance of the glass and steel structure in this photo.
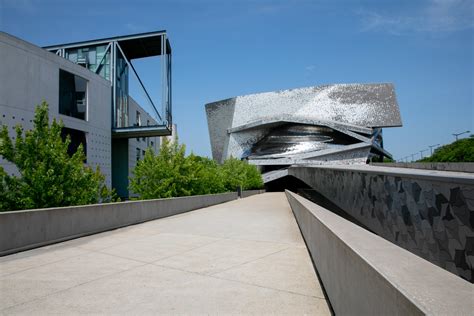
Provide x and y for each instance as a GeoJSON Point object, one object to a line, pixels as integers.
{"type": "Point", "coordinates": [111, 58]}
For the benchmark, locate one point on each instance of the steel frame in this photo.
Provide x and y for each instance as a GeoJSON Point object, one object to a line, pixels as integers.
{"type": "Point", "coordinates": [113, 46]}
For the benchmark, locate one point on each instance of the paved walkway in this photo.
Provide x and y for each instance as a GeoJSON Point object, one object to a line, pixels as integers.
{"type": "Point", "coordinates": [241, 257]}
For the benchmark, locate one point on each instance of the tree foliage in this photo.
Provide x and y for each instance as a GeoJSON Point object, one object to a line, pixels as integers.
{"type": "Point", "coordinates": [239, 173]}
{"type": "Point", "coordinates": [459, 151]}
{"type": "Point", "coordinates": [49, 177]}
{"type": "Point", "coordinates": [170, 173]}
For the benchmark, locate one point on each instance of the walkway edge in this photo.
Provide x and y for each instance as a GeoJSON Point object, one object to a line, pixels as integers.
{"type": "Point", "coordinates": [27, 229]}
{"type": "Point", "coordinates": [364, 274]}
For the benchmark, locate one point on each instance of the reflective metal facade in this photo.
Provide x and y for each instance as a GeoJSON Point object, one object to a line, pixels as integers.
{"type": "Point", "coordinates": [336, 124]}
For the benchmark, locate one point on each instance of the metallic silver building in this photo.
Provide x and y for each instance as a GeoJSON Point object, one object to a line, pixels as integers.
{"type": "Point", "coordinates": [336, 124]}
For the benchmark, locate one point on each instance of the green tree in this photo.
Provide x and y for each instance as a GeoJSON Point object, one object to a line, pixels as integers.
{"type": "Point", "coordinates": [206, 176]}
{"type": "Point", "coordinates": [239, 173]}
{"type": "Point", "coordinates": [170, 173]}
{"type": "Point", "coordinates": [459, 151]}
{"type": "Point", "coordinates": [167, 174]}
{"type": "Point", "coordinates": [49, 177]}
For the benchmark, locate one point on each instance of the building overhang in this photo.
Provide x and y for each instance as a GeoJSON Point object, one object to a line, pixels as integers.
{"type": "Point", "coordinates": [141, 131]}
{"type": "Point", "coordinates": [134, 46]}
{"type": "Point", "coordinates": [127, 48]}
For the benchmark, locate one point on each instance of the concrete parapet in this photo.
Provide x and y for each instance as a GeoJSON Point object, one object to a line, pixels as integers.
{"type": "Point", "coordinates": [22, 230]}
{"type": "Point", "coordinates": [427, 212]}
{"type": "Point", "coordinates": [441, 166]}
{"type": "Point", "coordinates": [251, 192]}
{"type": "Point", "coordinates": [364, 274]}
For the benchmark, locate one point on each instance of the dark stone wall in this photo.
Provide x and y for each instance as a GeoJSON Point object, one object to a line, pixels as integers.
{"type": "Point", "coordinates": [442, 166]}
{"type": "Point", "coordinates": [431, 218]}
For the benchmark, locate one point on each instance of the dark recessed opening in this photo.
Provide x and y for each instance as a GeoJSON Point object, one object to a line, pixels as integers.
{"type": "Point", "coordinates": [286, 183]}
{"type": "Point", "coordinates": [77, 138]}
{"type": "Point", "coordinates": [72, 95]}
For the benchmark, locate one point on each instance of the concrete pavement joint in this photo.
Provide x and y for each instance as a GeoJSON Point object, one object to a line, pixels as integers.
{"type": "Point", "coordinates": [87, 251]}
{"type": "Point", "coordinates": [265, 241]}
{"type": "Point", "coordinates": [269, 288]}
{"type": "Point", "coordinates": [121, 257]}
{"type": "Point", "coordinates": [249, 261]}
{"type": "Point", "coordinates": [236, 281]}
{"type": "Point", "coordinates": [118, 243]}
{"type": "Point", "coordinates": [71, 287]}
{"type": "Point", "coordinates": [188, 250]}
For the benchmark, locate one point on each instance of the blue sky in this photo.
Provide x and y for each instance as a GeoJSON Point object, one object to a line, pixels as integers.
{"type": "Point", "coordinates": [227, 48]}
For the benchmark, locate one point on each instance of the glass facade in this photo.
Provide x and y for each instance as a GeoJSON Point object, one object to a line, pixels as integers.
{"type": "Point", "coordinates": [121, 91]}
{"type": "Point", "coordinates": [138, 122]}
{"type": "Point", "coordinates": [98, 60]}
{"type": "Point", "coordinates": [72, 95]}
{"type": "Point", "coordinates": [95, 58]}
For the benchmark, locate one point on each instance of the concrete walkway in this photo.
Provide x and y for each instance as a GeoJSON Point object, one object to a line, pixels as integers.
{"type": "Point", "coordinates": [241, 257]}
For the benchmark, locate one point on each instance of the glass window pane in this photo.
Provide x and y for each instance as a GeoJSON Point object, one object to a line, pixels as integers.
{"type": "Point", "coordinates": [72, 95]}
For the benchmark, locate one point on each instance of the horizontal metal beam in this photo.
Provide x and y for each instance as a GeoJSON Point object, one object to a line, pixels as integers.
{"type": "Point", "coordinates": [141, 131]}
{"type": "Point", "coordinates": [104, 40]}
{"type": "Point", "coordinates": [139, 81]}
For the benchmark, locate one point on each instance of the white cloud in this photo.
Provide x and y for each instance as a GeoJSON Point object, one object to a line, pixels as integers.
{"type": "Point", "coordinates": [436, 16]}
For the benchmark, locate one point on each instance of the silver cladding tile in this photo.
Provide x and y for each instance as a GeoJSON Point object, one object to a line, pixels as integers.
{"type": "Point", "coordinates": [369, 105]}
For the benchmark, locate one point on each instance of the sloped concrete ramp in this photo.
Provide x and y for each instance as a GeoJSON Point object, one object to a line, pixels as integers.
{"type": "Point", "coordinates": [242, 257]}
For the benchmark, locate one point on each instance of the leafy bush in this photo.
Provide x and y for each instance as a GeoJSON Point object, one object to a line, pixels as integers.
{"type": "Point", "coordinates": [170, 173]}
{"type": "Point", "coordinates": [459, 151]}
{"type": "Point", "coordinates": [164, 175]}
{"type": "Point", "coordinates": [207, 177]}
{"type": "Point", "coordinates": [239, 173]}
{"type": "Point", "coordinates": [49, 177]}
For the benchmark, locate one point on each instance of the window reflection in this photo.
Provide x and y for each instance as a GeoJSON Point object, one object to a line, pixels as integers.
{"type": "Point", "coordinates": [72, 95]}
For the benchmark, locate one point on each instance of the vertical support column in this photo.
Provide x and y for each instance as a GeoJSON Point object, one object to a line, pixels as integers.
{"type": "Point", "coordinates": [113, 80]}
{"type": "Point", "coordinates": [163, 76]}
{"type": "Point", "coordinates": [169, 108]}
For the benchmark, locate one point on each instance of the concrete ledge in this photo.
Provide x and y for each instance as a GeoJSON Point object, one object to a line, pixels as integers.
{"type": "Point", "coordinates": [423, 211]}
{"type": "Point", "coordinates": [419, 174]}
{"type": "Point", "coordinates": [22, 230]}
{"type": "Point", "coordinates": [364, 274]}
{"type": "Point", "coordinates": [441, 166]}
{"type": "Point", "coordinates": [251, 192]}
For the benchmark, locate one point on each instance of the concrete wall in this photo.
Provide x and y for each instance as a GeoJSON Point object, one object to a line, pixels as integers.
{"type": "Point", "coordinates": [29, 75]}
{"type": "Point", "coordinates": [430, 213]}
{"type": "Point", "coordinates": [442, 166]}
{"type": "Point", "coordinates": [21, 230]}
{"type": "Point", "coordinates": [363, 274]}
{"type": "Point", "coordinates": [251, 192]}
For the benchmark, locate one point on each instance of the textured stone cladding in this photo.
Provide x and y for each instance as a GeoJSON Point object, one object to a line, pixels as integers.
{"type": "Point", "coordinates": [433, 219]}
